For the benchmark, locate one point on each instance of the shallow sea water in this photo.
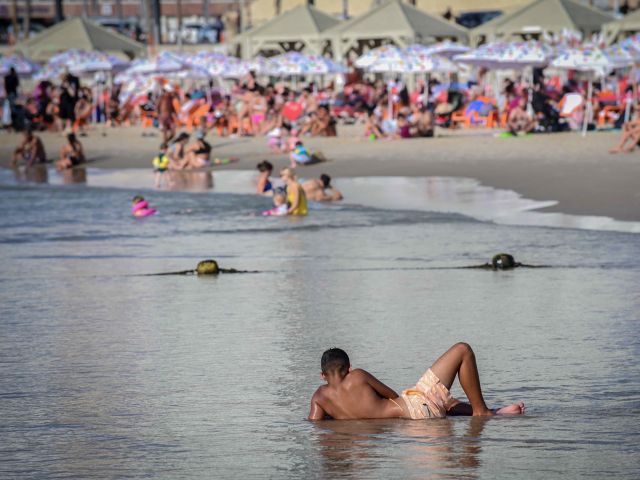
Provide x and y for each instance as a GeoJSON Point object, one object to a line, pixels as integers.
{"type": "Point", "coordinates": [108, 373]}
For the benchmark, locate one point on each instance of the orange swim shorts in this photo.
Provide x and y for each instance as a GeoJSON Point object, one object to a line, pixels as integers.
{"type": "Point", "coordinates": [429, 398]}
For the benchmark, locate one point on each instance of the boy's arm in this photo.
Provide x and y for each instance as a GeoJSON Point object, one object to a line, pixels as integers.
{"type": "Point", "coordinates": [378, 386]}
{"type": "Point", "coordinates": [316, 412]}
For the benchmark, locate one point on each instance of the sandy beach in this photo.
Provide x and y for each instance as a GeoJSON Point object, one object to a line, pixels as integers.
{"type": "Point", "coordinates": [577, 172]}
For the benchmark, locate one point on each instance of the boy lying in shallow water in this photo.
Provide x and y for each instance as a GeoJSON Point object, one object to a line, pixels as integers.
{"type": "Point", "coordinates": [356, 394]}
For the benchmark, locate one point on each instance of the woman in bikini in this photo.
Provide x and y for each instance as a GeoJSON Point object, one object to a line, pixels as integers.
{"type": "Point", "coordinates": [71, 153]}
{"type": "Point", "coordinates": [198, 155]}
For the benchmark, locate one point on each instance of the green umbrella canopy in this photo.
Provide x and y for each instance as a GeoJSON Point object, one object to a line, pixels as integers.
{"type": "Point", "coordinates": [395, 19]}
{"type": "Point", "coordinates": [551, 16]}
{"type": "Point", "coordinates": [627, 24]}
{"type": "Point", "coordinates": [82, 34]}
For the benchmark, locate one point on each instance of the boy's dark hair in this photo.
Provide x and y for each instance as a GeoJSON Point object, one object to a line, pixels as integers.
{"type": "Point", "coordinates": [137, 199]}
{"type": "Point", "coordinates": [335, 360]}
{"type": "Point", "coordinates": [164, 146]}
{"type": "Point", "coordinates": [326, 180]}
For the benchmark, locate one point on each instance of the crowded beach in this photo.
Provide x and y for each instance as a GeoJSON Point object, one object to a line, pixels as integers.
{"type": "Point", "coordinates": [183, 124]}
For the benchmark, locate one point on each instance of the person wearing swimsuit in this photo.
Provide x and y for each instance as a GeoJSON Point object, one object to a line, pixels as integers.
{"type": "Point", "coordinates": [264, 186]}
{"type": "Point", "coordinates": [296, 198]}
{"type": "Point", "coordinates": [71, 153]}
{"type": "Point", "coordinates": [198, 155]}
{"type": "Point", "coordinates": [356, 394]}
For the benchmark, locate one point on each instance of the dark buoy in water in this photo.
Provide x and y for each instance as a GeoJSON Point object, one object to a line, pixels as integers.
{"type": "Point", "coordinates": [208, 267]}
{"type": "Point", "coordinates": [205, 267]}
{"type": "Point", "coordinates": [504, 261]}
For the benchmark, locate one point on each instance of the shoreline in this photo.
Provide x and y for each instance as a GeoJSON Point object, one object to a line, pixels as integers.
{"type": "Point", "coordinates": [578, 173]}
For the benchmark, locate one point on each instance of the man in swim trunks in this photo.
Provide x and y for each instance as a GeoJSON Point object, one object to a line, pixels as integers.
{"type": "Point", "coordinates": [321, 190]}
{"type": "Point", "coordinates": [356, 394]}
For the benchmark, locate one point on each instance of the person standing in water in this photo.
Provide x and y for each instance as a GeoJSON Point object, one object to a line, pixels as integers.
{"type": "Point", "coordinates": [296, 198]}
{"type": "Point", "coordinates": [356, 394]}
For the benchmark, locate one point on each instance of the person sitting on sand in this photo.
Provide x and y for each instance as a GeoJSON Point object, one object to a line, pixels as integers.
{"type": "Point", "coordinates": [403, 127]}
{"type": "Point", "coordinates": [31, 150]}
{"type": "Point", "coordinates": [321, 190]}
{"type": "Point", "coordinates": [519, 120]}
{"type": "Point", "coordinates": [372, 127]}
{"type": "Point", "coordinates": [356, 394]}
{"type": "Point", "coordinates": [198, 155]}
{"type": "Point", "coordinates": [630, 137]}
{"type": "Point", "coordinates": [296, 198]}
{"type": "Point", "coordinates": [264, 186]}
{"type": "Point", "coordinates": [300, 155]}
{"type": "Point", "coordinates": [71, 153]}
{"type": "Point", "coordinates": [177, 151]}
{"type": "Point", "coordinates": [421, 122]}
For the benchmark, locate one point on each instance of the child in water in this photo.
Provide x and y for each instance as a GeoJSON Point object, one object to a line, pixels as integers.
{"type": "Point", "coordinates": [140, 207]}
{"type": "Point", "coordinates": [161, 164]}
{"type": "Point", "coordinates": [280, 205]}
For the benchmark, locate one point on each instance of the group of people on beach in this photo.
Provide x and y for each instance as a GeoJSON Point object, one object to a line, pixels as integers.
{"type": "Point", "coordinates": [290, 196]}
{"type": "Point", "coordinates": [285, 115]}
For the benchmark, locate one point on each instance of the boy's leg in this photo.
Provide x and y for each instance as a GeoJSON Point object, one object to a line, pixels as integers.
{"type": "Point", "coordinates": [460, 360]}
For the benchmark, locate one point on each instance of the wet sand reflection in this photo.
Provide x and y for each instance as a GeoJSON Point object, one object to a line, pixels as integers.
{"type": "Point", "coordinates": [359, 448]}
{"type": "Point", "coordinates": [34, 174]}
{"type": "Point", "coordinates": [195, 181]}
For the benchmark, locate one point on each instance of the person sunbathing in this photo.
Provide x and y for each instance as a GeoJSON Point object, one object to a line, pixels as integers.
{"type": "Point", "coordinates": [356, 394]}
{"type": "Point", "coordinates": [630, 137]}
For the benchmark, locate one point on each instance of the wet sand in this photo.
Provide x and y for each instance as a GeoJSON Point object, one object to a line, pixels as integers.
{"type": "Point", "coordinates": [577, 172]}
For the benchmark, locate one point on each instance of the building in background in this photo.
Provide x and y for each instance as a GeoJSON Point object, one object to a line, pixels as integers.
{"type": "Point", "coordinates": [212, 21]}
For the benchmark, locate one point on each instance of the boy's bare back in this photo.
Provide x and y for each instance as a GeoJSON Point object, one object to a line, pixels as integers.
{"type": "Point", "coordinates": [358, 394]}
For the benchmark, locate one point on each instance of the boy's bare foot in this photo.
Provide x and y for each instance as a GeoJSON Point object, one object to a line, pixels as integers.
{"type": "Point", "coordinates": [515, 409]}
{"type": "Point", "coordinates": [615, 150]}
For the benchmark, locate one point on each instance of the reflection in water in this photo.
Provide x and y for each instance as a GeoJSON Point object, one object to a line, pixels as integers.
{"type": "Point", "coordinates": [190, 180]}
{"type": "Point", "coordinates": [34, 174]}
{"type": "Point", "coordinates": [358, 448]}
{"type": "Point", "coordinates": [74, 175]}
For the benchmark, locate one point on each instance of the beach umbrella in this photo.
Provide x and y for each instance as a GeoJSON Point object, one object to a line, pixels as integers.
{"type": "Point", "coordinates": [444, 49]}
{"type": "Point", "coordinates": [260, 65]}
{"type": "Point", "coordinates": [587, 59]}
{"type": "Point", "coordinates": [583, 59]}
{"type": "Point", "coordinates": [297, 64]}
{"type": "Point", "coordinates": [484, 56]}
{"type": "Point", "coordinates": [82, 61]}
{"type": "Point", "coordinates": [22, 65]}
{"type": "Point", "coordinates": [518, 55]}
{"type": "Point", "coordinates": [155, 66]}
{"type": "Point", "coordinates": [387, 58]}
{"type": "Point", "coordinates": [620, 56]}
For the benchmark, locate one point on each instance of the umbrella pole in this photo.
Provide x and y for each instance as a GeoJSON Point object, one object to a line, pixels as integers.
{"type": "Point", "coordinates": [589, 108]}
{"type": "Point", "coordinates": [390, 99]}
